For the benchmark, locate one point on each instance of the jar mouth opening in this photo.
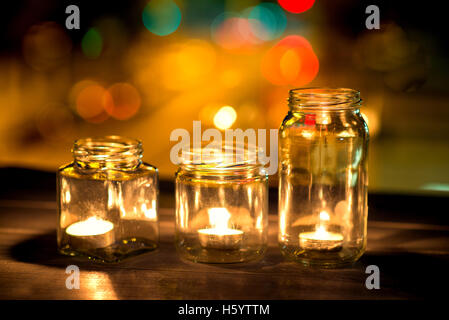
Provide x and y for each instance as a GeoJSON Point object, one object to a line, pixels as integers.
{"type": "Point", "coordinates": [107, 148]}
{"type": "Point", "coordinates": [326, 99]}
{"type": "Point", "coordinates": [221, 160]}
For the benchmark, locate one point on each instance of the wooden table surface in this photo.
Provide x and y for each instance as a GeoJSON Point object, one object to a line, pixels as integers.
{"type": "Point", "coordinates": [410, 249]}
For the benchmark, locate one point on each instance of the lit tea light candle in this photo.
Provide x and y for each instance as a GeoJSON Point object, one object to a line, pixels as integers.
{"type": "Point", "coordinates": [321, 239]}
{"type": "Point", "coordinates": [91, 233]}
{"type": "Point", "coordinates": [220, 236]}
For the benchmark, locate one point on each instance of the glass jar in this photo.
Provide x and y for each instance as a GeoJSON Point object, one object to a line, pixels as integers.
{"type": "Point", "coordinates": [107, 200]}
{"type": "Point", "coordinates": [221, 209]}
{"type": "Point", "coordinates": [323, 147]}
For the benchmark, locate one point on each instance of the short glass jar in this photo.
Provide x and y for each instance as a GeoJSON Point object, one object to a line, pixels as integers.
{"type": "Point", "coordinates": [221, 208]}
{"type": "Point", "coordinates": [323, 147]}
{"type": "Point", "coordinates": [107, 200]}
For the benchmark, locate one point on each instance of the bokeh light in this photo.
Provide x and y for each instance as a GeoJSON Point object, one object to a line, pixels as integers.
{"type": "Point", "coordinates": [386, 50]}
{"type": "Point", "coordinates": [291, 61]}
{"type": "Point", "coordinates": [225, 117]}
{"type": "Point", "coordinates": [95, 104]}
{"type": "Point", "coordinates": [46, 45]}
{"type": "Point", "coordinates": [290, 65]}
{"type": "Point", "coordinates": [232, 32]}
{"type": "Point", "coordinates": [392, 51]}
{"type": "Point", "coordinates": [161, 17]}
{"type": "Point", "coordinates": [77, 88]}
{"type": "Point", "coordinates": [134, 64]}
{"type": "Point", "coordinates": [122, 102]}
{"type": "Point", "coordinates": [267, 21]}
{"type": "Point", "coordinates": [187, 64]}
{"type": "Point", "coordinates": [90, 102]}
{"type": "Point", "coordinates": [92, 43]}
{"type": "Point", "coordinates": [276, 106]}
{"type": "Point", "coordinates": [296, 6]}
{"type": "Point", "coordinates": [252, 26]}
{"type": "Point", "coordinates": [231, 78]}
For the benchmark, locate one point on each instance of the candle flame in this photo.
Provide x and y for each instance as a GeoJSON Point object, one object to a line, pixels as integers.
{"type": "Point", "coordinates": [219, 218]}
{"type": "Point", "coordinates": [219, 235]}
{"type": "Point", "coordinates": [321, 233]}
{"type": "Point", "coordinates": [219, 221]}
{"type": "Point", "coordinates": [324, 216]}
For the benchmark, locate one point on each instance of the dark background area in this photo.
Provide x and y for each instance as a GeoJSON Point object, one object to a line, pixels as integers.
{"type": "Point", "coordinates": [401, 70]}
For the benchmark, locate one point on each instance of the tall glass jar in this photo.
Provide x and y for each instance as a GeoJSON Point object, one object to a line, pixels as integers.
{"type": "Point", "coordinates": [107, 200]}
{"type": "Point", "coordinates": [323, 146]}
{"type": "Point", "coordinates": [221, 209]}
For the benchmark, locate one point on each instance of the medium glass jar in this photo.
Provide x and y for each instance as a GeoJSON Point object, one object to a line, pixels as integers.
{"type": "Point", "coordinates": [107, 200]}
{"type": "Point", "coordinates": [221, 209]}
{"type": "Point", "coordinates": [323, 147]}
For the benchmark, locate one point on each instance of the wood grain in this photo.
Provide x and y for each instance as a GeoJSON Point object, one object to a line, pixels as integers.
{"type": "Point", "coordinates": [413, 259]}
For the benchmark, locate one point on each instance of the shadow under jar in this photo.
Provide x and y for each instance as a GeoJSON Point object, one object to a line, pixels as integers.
{"type": "Point", "coordinates": [221, 211]}
{"type": "Point", "coordinates": [323, 146]}
{"type": "Point", "coordinates": [107, 200]}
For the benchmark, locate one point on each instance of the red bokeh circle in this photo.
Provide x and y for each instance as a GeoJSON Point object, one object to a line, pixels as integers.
{"type": "Point", "coordinates": [296, 6]}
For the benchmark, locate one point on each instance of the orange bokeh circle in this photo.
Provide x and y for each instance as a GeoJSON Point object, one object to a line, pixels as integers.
{"type": "Point", "coordinates": [122, 101]}
{"type": "Point", "coordinates": [291, 61]}
{"type": "Point", "coordinates": [89, 102]}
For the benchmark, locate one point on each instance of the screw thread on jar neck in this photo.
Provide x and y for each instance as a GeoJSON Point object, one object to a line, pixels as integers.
{"type": "Point", "coordinates": [110, 152]}
{"type": "Point", "coordinates": [324, 99]}
{"type": "Point", "coordinates": [226, 160]}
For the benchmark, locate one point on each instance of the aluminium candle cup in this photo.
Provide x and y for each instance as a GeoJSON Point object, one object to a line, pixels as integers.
{"type": "Point", "coordinates": [81, 241]}
{"type": "Point", "coordinates": [309, 241]}
{"type": "Point", "coordinates": [211, 238]}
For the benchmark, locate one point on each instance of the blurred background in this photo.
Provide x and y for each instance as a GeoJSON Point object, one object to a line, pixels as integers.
{"type": "Point", "coordinates": [143, 68]}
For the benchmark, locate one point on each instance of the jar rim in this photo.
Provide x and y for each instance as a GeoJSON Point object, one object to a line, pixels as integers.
{"type": "Point", "coordinates": [324, 98]}
{"type": "Point", "coordinates": [221, 160]}
{"type": "Point", "coordinates": [107, 148]}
